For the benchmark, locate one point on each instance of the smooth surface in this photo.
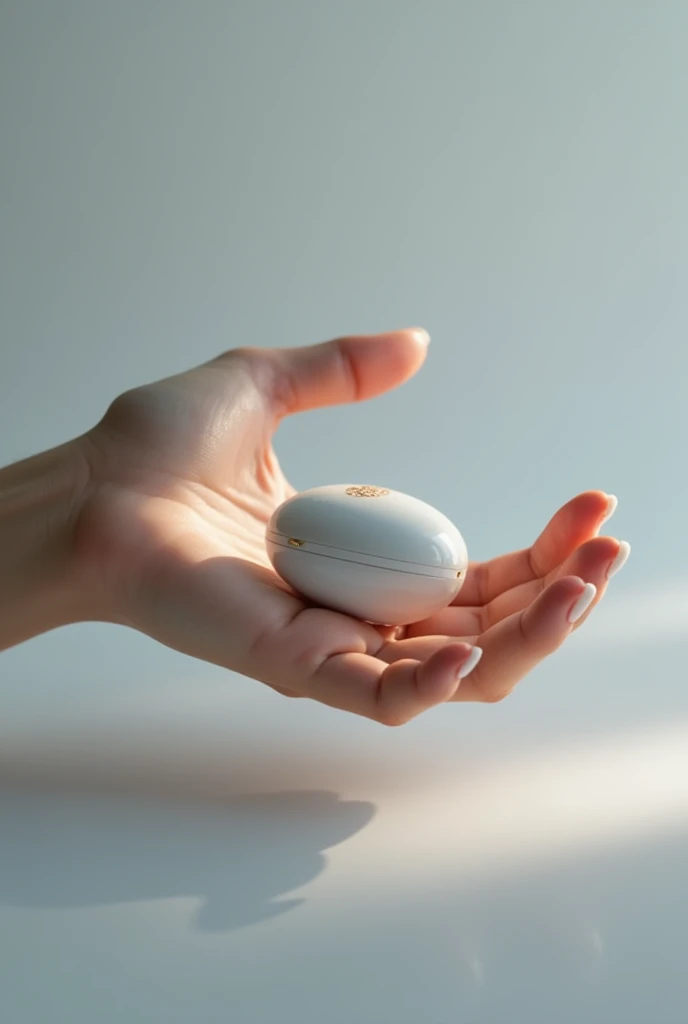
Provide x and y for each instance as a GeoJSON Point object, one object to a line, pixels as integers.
{"type": "Point", "coordinates": [369, 592]}
{"type": "Point", "coordinates": [388, 526]}
{"type": "Point", "coordinates": [178, 844]}
{"type": "Point", "coordinates": [368, 551]}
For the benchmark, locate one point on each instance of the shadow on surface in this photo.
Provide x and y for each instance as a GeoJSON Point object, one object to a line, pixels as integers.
{"type": "Point", "coordinates": [75, 850]}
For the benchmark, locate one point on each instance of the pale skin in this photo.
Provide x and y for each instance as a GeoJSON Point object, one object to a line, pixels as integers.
{"type": "Point", "coordinates": [155, 519]}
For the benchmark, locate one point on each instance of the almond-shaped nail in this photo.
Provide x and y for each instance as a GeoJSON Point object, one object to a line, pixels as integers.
{"type": "Point", "coordinates": [620, 560]}
{"type": "Point", "coordinates": [612, 502]}
{"type": "Point", "coordinates": [468, 666]}
{"type": "Point", "coordinates": [582, 602]}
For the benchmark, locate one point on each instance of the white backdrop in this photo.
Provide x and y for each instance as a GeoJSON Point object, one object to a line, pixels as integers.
{"type": "Point", "coordinates": [177, 843]}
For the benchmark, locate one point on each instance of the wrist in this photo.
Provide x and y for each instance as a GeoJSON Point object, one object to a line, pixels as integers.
{"type": "Point", "coordinates": [40, 503]}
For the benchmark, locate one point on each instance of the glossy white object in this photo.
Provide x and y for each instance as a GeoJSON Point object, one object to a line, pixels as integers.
{"type": "Point", "coordinates": [374, 553]}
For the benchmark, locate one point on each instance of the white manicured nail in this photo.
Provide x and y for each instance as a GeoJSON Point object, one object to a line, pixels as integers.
{"type": "Point", "coordinates": [620, 560]}
{"type": "Point", "coordinates": [612, 502]}
{"type": "Point", "coordinates": [583, 602]}
{"type": "Point", "coordinates": [473, 659]}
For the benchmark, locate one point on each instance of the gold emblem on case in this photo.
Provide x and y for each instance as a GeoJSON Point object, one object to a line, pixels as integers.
{"type": "Point", "coordinates": [294, 543]}
{"type": "Point", "coordinates": [366, 492]}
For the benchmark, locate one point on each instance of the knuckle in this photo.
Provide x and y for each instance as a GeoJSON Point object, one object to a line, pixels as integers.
{"type": "Point", "coordinates": [483, 583]}
{"type": "Point", "coordinates": [546, 644]}
{"type": "Point", "coordinates": [392, 718]}
{"type": "Point", "coordinates": [550, 645]}
{"type": "Point", "coordinates": [289, 651]}
{"type": "Point", "coordinates": [269, 373]}
{"type": "Point", "coordinates": [308, 661]}
{"type": "Point", "coordinates": [291, 662]}
{"type": "Point", "coordinates": [245, 355]}
{"type": "Point", "coordinates": [489, 690]}
{"type": "Point", "coordinates": [350, 369]}
{"type": "Point", "coordinates": [535, 569]}
{"type": "Point", "coordinates": [494, 696]}
{"type": "Point", "coordinates": [387, 714]}
{"type": "Point", "coordinates": [257, 369]}
{"type": "Point", "coordinates": [129, 417]}
{"type": "Point", "coordinates": [540, 642]}
{"type": "Point", "coordinates": [281, 390]}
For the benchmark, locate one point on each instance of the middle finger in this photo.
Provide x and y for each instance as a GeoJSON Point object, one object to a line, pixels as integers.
{"type": "Point", "coordinates": [591, 562]}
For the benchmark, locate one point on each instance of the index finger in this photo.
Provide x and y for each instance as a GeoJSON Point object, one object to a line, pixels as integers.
{"type": "Point", "coordinates": [333, 659]}
{"type": "Point", "coordinates": [575, 522]}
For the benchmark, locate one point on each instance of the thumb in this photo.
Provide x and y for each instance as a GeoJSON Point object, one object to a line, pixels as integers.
{"type": "Point", "coordinates": [346, 369]}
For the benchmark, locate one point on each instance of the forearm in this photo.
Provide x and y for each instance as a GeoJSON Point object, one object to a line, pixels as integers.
{"type": "Point", "coordinates": [39, 507]}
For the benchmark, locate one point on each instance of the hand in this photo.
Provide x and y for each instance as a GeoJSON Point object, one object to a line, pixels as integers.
{"type": "Point", "coordinates": [170, 541]}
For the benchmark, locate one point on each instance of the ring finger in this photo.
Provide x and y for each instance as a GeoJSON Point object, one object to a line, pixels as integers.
{"type": "Point", "coordinates": [514, 646]}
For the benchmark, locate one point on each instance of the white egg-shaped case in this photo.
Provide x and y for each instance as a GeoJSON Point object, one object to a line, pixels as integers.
{"type": "Point", "coordinates": [373, 553]}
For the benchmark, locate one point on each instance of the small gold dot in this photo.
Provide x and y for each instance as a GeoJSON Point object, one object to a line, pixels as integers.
{"type": "Point", "coordinates": [294, 543]}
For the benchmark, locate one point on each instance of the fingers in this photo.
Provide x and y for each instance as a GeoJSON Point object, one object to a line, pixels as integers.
{"type": "Point", "coordinates": [236, 614]}
{"type": "Point", "coordinates": [516, 645]}
{"type": "Point", "coordinates": [576, 522]}
{"type": "Point", "coordinates": [345, 370]}
{"type": "Point", "coordinates": [592, 562]}
{"type": "Point", "coordinates": [611, 556]}
{"type": "Point", "coordinates": [595, 562]}
{"type": "Point", "coordinates": [347, 665]}
{"type": "Point", "coordinates": [391, 694]}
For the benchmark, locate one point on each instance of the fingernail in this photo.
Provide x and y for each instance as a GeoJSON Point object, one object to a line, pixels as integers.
{"type": "Point", "coordinates": [612, 502]}
{"type": "Point", "coordinates": [422, 335]}
{"type": "Point", "coordinates": [620, 560]}
{"type": "Point", "coordinates": [468, 666]}
{"type": "Point", "coordinates": [582, 602]}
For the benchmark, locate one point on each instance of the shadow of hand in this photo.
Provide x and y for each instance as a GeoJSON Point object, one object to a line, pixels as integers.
{"type": "Point", "coordinates": [72, 850]}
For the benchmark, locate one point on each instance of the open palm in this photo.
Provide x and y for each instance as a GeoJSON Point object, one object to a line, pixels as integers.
{"type": "Point", "coordinates": [183, 480]}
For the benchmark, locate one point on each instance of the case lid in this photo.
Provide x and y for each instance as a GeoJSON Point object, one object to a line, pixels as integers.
{"type": "Point", "coordinates": [374, 521]}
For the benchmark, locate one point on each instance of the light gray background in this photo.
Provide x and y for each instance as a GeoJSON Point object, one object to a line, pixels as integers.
{"type": "Point", "coordinates": [176, 178]}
